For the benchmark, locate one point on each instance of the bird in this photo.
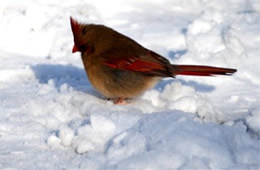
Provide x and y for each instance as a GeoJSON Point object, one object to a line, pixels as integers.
{"type": "Point", "coordinates": [120, 68]}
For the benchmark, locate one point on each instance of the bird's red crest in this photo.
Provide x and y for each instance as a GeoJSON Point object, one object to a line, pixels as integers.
{"type": "Point", "coordinates": [75, 26]}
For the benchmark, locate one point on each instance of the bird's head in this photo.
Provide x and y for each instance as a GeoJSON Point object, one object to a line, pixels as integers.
{"type": "Point", "coordinates": [82, 42]}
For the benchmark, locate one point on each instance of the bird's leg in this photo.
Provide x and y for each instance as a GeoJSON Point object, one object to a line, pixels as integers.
{"type": "Point", "coordinates": [120, 101]}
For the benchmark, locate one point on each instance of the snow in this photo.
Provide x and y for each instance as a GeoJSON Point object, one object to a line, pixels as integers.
{"type": "Point", "coordinates": [52, 118]}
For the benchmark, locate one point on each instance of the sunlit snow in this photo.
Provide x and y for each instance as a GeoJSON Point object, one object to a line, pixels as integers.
{"type": "Point", "coordinates": [52, 118]}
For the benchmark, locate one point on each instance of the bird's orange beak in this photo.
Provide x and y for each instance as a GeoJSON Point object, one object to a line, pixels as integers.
{"type": "Point", "coordinates": [75, 49]}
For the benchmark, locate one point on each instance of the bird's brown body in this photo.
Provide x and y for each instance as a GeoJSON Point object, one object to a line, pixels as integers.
{"type": "Point", "coordinates": [120, 68]}
{"type": "Point", "coordinates": [118, 84]}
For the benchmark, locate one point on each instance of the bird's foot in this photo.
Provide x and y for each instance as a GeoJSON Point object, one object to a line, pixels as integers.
{"type": "Point", "coordinates": [122, 101]}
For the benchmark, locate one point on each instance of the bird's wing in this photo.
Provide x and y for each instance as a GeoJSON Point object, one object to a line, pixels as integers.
{"type": "Point", "coordinates": [148, 64]}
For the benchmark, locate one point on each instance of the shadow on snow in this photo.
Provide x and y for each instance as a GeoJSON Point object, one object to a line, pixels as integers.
{"type": "Point", "coordinates": [62, 74]}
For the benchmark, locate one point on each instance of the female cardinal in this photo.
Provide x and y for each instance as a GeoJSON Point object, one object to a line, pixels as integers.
{"type": "Point", "coordinates": [120, 68]}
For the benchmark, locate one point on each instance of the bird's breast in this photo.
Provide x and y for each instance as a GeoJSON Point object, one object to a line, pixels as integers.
{"type": "Point", "coordinates": [115, 83]}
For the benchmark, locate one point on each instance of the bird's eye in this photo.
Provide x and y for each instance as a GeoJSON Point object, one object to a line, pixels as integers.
{"type": "Point", "coordinates": [84, 30]}
{"type": "Point", "coordinates": [82, 48]}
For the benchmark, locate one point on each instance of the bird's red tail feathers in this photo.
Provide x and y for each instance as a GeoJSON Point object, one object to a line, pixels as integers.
{"type": "Point", "coordinates": [197, 70]}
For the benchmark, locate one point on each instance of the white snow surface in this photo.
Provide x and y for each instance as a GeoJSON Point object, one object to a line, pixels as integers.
{"type": "Point", "coordinates": [52, 118]}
